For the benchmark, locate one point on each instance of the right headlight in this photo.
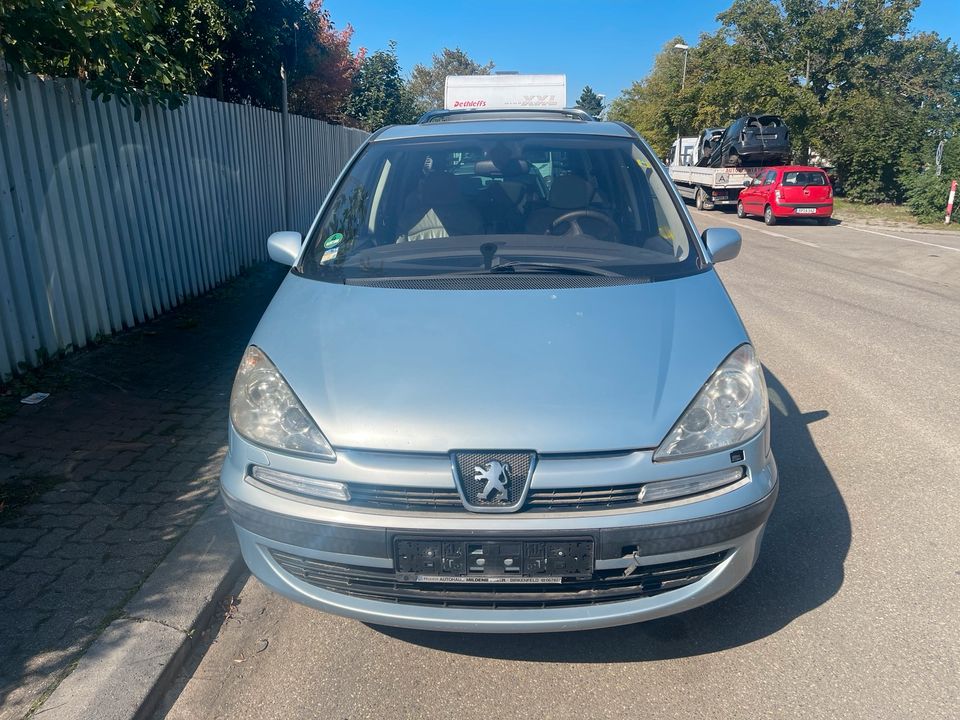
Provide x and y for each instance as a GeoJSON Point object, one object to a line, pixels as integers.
{"type": "Point", "coordinates": [264, 409]}
{"type": "Point", "coordinates": [729, 410]}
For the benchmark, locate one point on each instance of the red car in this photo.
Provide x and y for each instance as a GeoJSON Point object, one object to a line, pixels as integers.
{"type": "Point", "coordinates": [791, 191]}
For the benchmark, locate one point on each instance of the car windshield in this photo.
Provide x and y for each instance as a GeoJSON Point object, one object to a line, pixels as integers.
{"type": "Point", "coordinates": [804, 177]}
{"type": "Point", "coordinates": [478, 204]}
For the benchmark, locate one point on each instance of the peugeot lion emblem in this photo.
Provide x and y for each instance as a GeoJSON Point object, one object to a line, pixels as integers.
{"type": "Point", "coordinates": [496, 475]}
{"type": "Point", "coordinates": [493, 480]}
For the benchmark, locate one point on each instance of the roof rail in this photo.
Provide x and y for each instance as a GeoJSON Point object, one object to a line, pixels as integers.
{"type": "Point", "coordinates": [629, 128]}
{"type": "Point", "coordinates": [435, 116]}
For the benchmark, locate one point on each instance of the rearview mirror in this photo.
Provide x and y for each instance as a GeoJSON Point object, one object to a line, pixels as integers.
{"type": "Point", "coordinates": [722, 243]}
{"type": "Point", "coordinates": [284, 247]}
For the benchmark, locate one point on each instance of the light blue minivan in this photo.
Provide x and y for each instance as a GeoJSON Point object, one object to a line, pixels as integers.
{"type": "Point", "coordinates": [489, 400]}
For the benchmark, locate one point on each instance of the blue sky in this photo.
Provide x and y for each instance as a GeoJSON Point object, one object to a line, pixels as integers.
{"type": "Point", "coordinates": [606, 44]}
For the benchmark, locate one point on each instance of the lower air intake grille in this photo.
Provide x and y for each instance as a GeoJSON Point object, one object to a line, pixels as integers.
{"type": "Point", "coordinates": [605, 586]}
{"type": "Point", "coordinates": [404, 498]}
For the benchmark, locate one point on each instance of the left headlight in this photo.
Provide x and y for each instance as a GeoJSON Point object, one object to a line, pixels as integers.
{"type": "Point", "coordinates": [729, 410]}
{"type": "Point", "coordinates": [264, 409]}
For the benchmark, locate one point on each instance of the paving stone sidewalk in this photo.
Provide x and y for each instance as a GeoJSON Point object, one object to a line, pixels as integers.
{"type": "Point", "coordinates": [99, 481]}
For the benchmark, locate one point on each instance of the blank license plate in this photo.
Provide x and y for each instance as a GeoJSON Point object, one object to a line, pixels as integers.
{"type": "Point", "coordinates": [455, 560]}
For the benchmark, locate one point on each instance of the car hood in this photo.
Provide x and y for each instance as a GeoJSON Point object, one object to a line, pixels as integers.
{"type": "Point", "coordinates": [556, 371]}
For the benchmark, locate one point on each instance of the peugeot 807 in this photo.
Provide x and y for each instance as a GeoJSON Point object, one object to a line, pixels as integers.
{"type": "Point", "coordinates": [502, 389]}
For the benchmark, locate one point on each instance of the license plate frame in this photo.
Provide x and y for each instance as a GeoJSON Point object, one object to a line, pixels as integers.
{"type": "Point", "coordinates": [506, 560]}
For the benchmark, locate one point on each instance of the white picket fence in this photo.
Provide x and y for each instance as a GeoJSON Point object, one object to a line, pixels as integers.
{"type": "Point", "coordinates": [106, 221]}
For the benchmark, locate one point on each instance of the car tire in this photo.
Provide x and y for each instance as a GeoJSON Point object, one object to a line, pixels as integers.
{"type": "Point", "coordinates": [823, 221]}
{"type": "Point", "coordinates": [741, 213]}
{"type": "Point", "coordinates": [700, 200]}
{"type": "Point", "coordinates": [768, 217]}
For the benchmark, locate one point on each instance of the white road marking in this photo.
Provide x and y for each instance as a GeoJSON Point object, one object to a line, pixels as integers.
{"type": "Point", "coordinates": [898, 237]}
{"type": "Point", "coordinates": [772, 234]}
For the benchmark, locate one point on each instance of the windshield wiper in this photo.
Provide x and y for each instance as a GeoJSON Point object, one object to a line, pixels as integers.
{"type": "Point", "coordinates": [522, 266]}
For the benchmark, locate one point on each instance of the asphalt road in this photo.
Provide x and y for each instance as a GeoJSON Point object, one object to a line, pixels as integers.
{"type": "Point", "coordinates": [853, 609]}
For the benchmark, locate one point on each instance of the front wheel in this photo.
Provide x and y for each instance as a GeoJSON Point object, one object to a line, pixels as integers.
{"type": "Point", "coordinates": [768, 217]}
{"type": "Point", "coordinates": [741, 213]}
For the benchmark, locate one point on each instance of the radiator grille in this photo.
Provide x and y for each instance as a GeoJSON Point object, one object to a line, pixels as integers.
{"type": "Point", "coordinates": [412, 499]}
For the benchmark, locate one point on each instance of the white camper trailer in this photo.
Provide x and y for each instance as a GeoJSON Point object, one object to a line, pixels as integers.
{"type": "Point", "coordinates": [500, 92]}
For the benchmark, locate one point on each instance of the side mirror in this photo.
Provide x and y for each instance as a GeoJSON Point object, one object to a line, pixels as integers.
{"type": "Point", "coordinates": [722, 243]}
{"type": "Point", "coordinates": [747, 183]}
{"type": "Point", "coordinates": [284, 247]}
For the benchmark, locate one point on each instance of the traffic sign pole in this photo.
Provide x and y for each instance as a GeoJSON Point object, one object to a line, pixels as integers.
{"type": "Point", "coordinates": [953, 193]}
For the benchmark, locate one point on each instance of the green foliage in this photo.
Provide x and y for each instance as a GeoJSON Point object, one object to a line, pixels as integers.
{"type": "Point", "coordinates": [161, 50]}
{"type": "Point", "coordinates": [868, 138]}
{"type": "Point", "coordinates": [590, 102]}
{"type": "Point", "coordinates": [380, 97]}
{"type": "Point", "coordinates": [323, 71]}
{"type": "Point", "coordinates": [263, 35]}
{"type": "Point", "coordinates": [427, 83]}
{"type": "Point", "coordinates": [137, 52]}
{"type": "Point", "coordinates": [654, 105]}
{"type": "Point", "coordinates": [926, 192]}
{"type": "Point", "coordinates": [851, 83]}
{"type": "Point", "coordinates": [927, 195]}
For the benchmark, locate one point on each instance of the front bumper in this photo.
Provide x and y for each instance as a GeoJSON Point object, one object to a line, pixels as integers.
{"type": "Point", "coordinates": [727, 525]}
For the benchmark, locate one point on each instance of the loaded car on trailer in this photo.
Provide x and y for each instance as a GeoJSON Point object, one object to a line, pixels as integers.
{"type": "Point", "coordinates": [708, 187]}
{"type": "Point", "coordinates": [752, 140]}
{"type": "Point", "coordinates": [481, 401]}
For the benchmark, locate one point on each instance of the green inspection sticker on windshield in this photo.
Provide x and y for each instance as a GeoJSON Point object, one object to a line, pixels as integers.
{"type": "Point", "coordinates": [333, 241]}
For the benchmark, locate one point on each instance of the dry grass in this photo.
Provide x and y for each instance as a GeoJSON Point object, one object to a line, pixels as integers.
{"type": "Point", "coordinates": [885, 214]}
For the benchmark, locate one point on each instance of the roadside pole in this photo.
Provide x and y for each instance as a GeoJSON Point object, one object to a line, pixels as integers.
{"type": "Point", "coordinates": [285, 150]}
{"type": "Point", "coordinates": [953, 193]}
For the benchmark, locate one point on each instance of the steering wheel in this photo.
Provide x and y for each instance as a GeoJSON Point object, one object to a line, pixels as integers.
{"type": "Point", "coordinates": [572, 216]}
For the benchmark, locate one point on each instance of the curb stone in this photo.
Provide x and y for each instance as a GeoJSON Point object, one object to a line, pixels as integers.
{"type": "Point", "coordinates": [128, 668]}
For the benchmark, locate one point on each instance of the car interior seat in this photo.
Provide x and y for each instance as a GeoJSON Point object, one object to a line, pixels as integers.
{"type": "Point", "coordinates": [441, 210]}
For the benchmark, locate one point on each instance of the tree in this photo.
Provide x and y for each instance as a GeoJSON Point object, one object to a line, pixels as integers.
{"type": "Point", "coordinates": [869, 137]}
{"type": "Point", "coordinates": [654, 105]}
{"type": "Point", "coordinates": [380, 97]}
{"type": "Point", "coordinates": [138, 52]}
{"type": "Point", "coordinates": [323, 79]}
{"type": "Point", "coordinates": [427, 83]}
{"type": "Point", "coordinates": [161, 50]}
{"type": "Point", "coordinates": [266, 34]}
{"type": "Point", "coordinates": [590, 102]}
{"type": "Point", "coordinates": [263, 36]}
{"type": "Point", "coordinates": [846, 76]}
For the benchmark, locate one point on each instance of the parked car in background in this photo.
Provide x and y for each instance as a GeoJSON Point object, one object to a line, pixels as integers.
{"type": "Point", "coordinates": [752, 140]}
{"type": "Point", "coordinates": [790, 191]}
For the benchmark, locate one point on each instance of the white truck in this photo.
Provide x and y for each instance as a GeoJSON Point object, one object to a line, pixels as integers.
{"type": "Point", "coordinates": [708, 187]}
{"type": "Point", "coordinates": [507, 91]}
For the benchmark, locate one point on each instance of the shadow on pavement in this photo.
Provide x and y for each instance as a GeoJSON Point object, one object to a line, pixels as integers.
{"type": "Point", "coordinates": [118, 463]}
{"type": "Point", "coordinates": [800, 568]}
